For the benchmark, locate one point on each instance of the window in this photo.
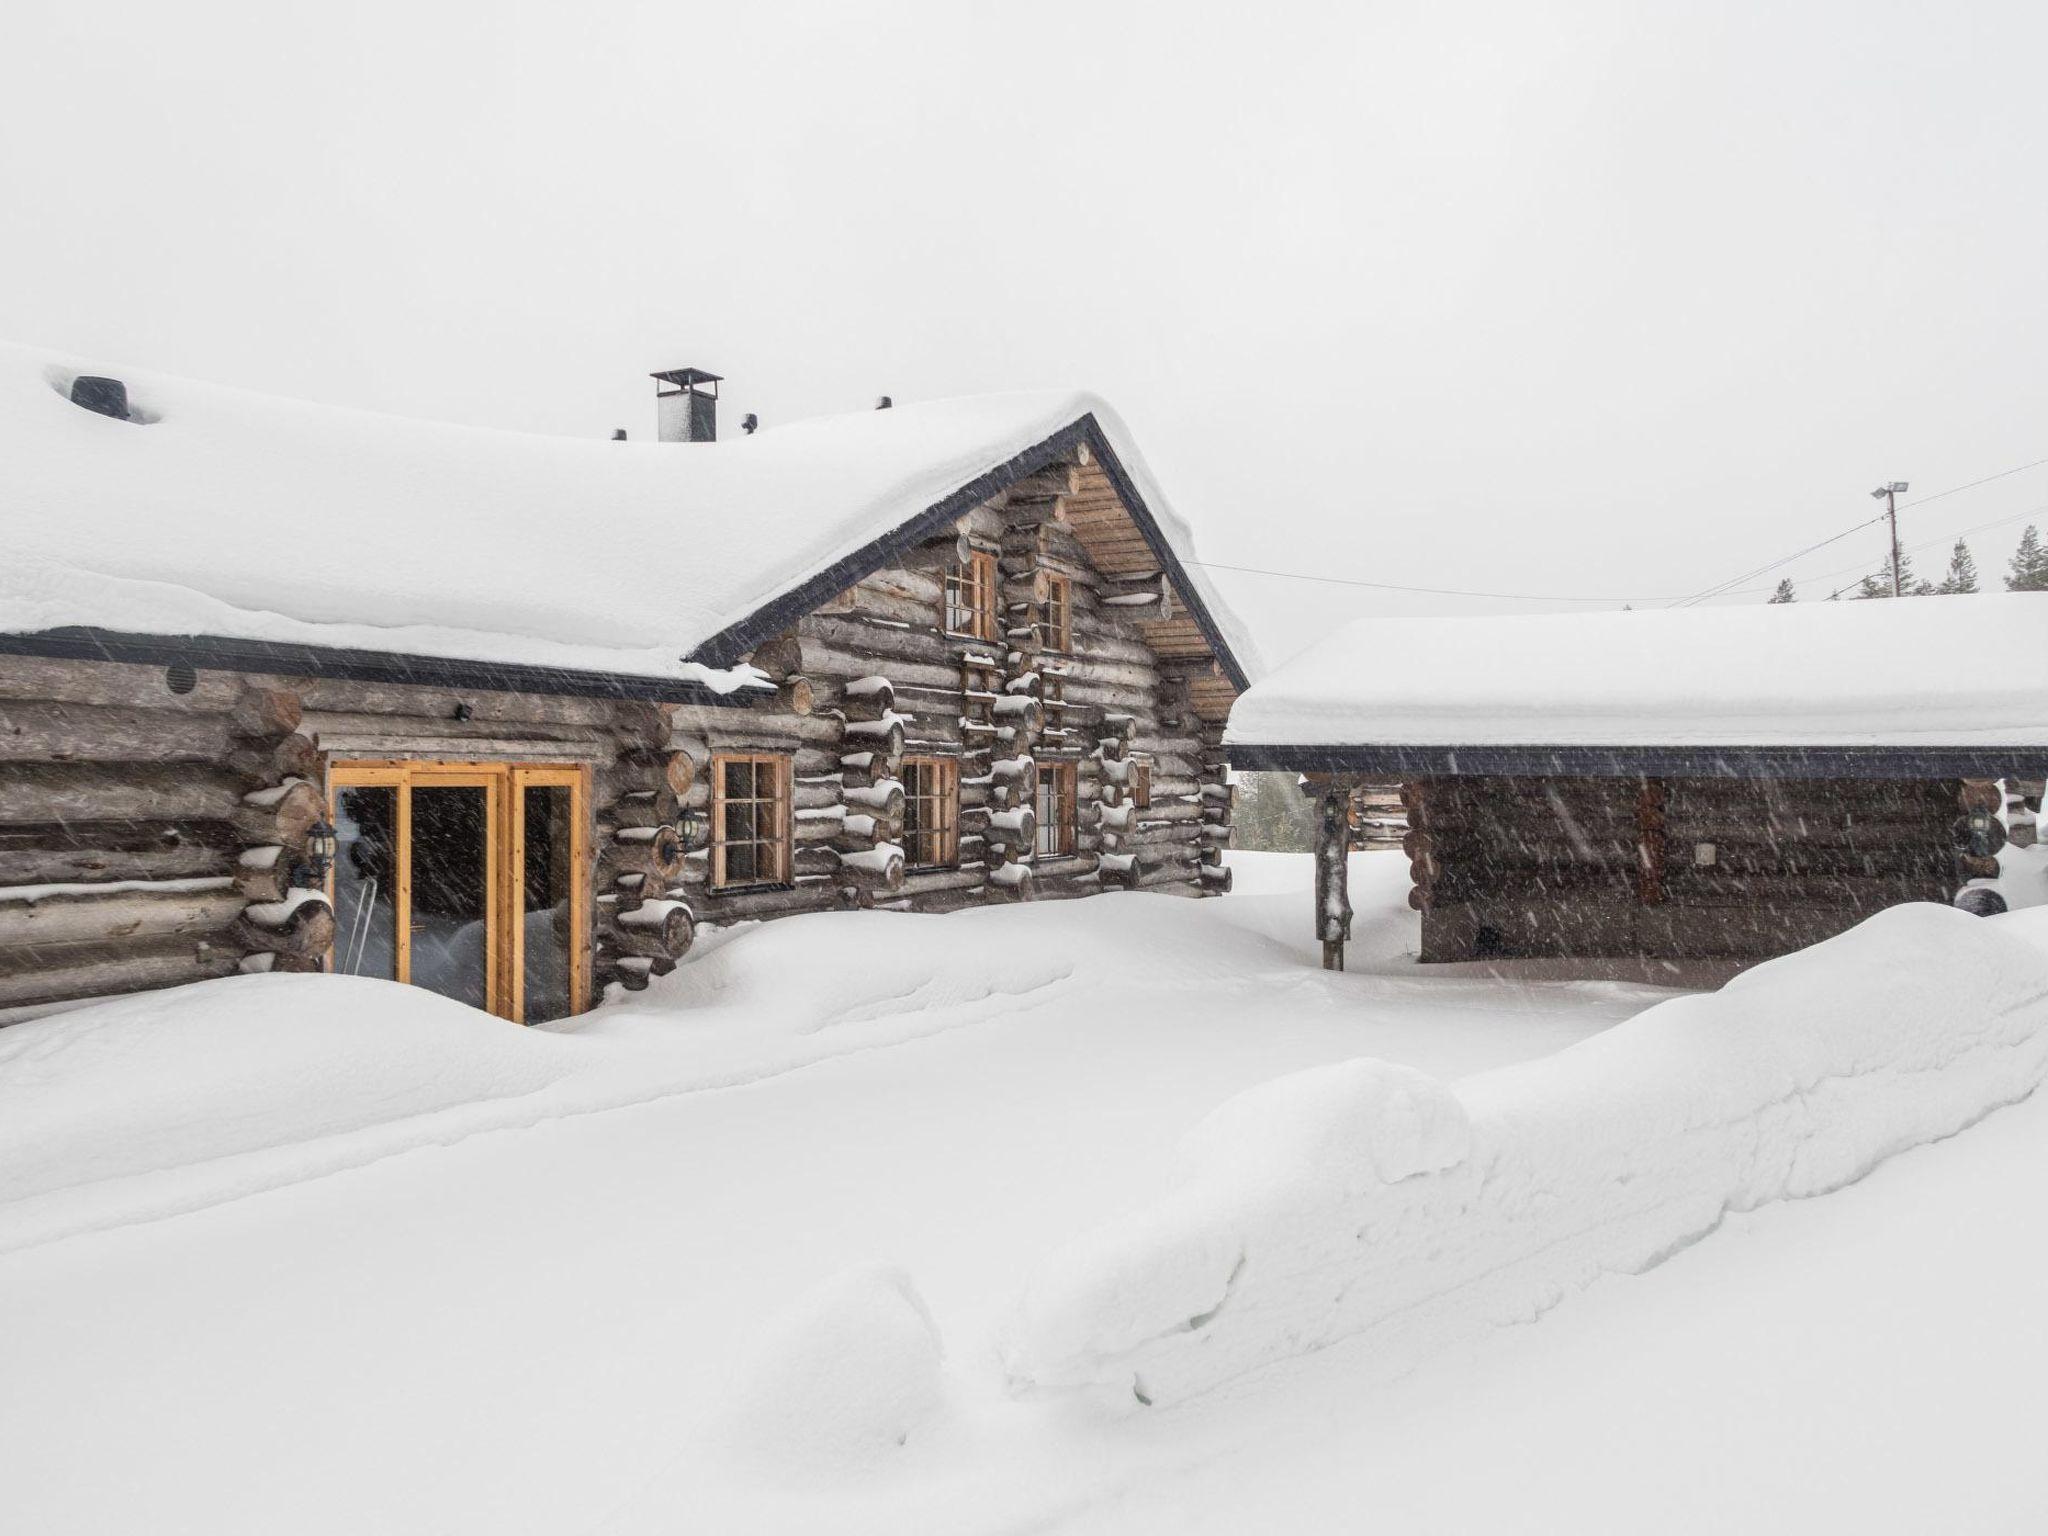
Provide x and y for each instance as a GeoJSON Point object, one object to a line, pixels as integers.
{"type": "Point", "coordinates": [1141, 785]}
{"type": "Point", "coordinates": [1056, 629]}
{"type": "Point", "coordinates": [931, 812]}
{"type": "Point", "coordinates": [1055, 809]}
{"type": "Point", "coordinates": [750, 824]}
{"type": "Point", "coordinates": [971, 597]}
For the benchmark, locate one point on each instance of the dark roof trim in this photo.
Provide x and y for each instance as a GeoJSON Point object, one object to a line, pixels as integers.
{"type": "Point", "coordinates": [1628, 762]}
{"type": "Point", "coordinates": [221, 653]}
{"type": "Point", "coordinates": [777, 615]}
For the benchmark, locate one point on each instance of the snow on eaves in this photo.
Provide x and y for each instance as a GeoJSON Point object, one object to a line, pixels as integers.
{"type": "Point", "coordinates": [250, 517]}
{"type": "Point", "coordinates": [1935, 671]}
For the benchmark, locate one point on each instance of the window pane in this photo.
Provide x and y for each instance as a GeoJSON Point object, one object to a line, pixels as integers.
{"type": "Point", "coordinates": [450, 891]}
{"type": "Point", "coordinates": [740, 864]}
{"type": "Point", "coordinates": [366, 882]}
{"type": "Point", "coordinates": [547, 884]}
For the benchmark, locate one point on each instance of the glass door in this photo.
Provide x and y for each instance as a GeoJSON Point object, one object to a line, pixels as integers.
{"type": "Point", "coordinates": [468, 879]}
{"type": "Point", "coordinates": [452, 912]}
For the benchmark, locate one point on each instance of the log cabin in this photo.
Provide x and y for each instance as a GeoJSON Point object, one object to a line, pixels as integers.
{"type": "Point", "coordinates": [291, 688]}
{"type": "Point", "coordinates": [1701, 783]}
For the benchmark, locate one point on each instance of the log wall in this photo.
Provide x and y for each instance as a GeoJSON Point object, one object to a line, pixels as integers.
{"type": "Point", "coordinates": [882, 679]}
{"type": "Point", "coordinates": [150, 836]}
{"type": "Point", "coordinates": [1671, 868]}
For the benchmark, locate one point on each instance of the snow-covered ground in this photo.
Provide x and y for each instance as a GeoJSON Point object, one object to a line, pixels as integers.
{"type": "Point", "coordinates": [370, 1262]}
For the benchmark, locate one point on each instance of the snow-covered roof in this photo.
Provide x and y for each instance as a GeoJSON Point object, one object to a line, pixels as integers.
{"type": "Point", "coordinates": [228, 513]}
{"type": "Point", "coordinates": [1911, 675]}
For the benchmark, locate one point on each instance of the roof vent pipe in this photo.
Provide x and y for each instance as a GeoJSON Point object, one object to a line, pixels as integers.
{"type": "Point", "coordinates": [688, 409]}
{"type": "Point", "coordinates": [109, 397]}
{"type": "Point", "coordinates": [618, 434]}
{"type": "Point", "coordinates": [883, 402]}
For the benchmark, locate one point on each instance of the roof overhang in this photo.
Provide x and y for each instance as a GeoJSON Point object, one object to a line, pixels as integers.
{"type": "Point", "coordinates": [1700, 762]}
{"type": "Point", "coordinates": [773, 617]}
{"type": "Point", "coordinates": [226, 654]}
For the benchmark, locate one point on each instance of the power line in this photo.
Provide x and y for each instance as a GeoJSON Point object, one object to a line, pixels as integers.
{"type": "Point", "coordinates": [1388, 586]}
{"type": "Point", "coordinates": [1720, 589]}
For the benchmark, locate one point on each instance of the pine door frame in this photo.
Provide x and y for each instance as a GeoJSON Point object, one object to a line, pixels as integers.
{"type": "Point", "coordinates": [504, 862]}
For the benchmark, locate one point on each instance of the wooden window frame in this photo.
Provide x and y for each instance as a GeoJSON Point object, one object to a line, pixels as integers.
{"type": "Point", "coordinates": [971, 592]}
{"type": "Point", "coordinates": [943, 839]}
{"type": "Point", "coordinates": [1058, 782]}
{"type": "Point", "coordinates": [783, 843]}
{"type": "Point", "coordinates": [1141, 783]}
{"type": "Point", "coordinates": [504, 786]}
{"type": "Point", "coordinates": [1056, 625]}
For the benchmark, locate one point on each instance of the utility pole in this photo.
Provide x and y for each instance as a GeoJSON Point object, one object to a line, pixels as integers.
{"type": "Point", "coordinates": [1890, 495]}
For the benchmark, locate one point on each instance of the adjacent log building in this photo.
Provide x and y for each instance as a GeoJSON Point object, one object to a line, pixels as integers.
{"type": "Point", "coordinates": [289, 688]}
{"type": "Point", "coordinates": [1718, 783]}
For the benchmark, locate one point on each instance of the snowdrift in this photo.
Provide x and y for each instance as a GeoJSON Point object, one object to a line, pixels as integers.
{"type": "Point", "coordinates": [254, 1078]}
{"type": "Point", "coordinates": [1362, 1201]}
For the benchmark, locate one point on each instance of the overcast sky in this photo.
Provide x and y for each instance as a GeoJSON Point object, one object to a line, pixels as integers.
{"type": "Point", "coordinates": [1611, 300]}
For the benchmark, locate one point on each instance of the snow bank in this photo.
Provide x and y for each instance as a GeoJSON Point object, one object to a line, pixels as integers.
{"type": "Point", "coordinates": [126, 1095]}
{"type": "Point", "coordinates": [171, 527]}
{"type": "Point", "coordinates": [1365, 1200]}
{"type": "Point", "coordinates": [1794, 674]}
{"type": "Point", "coordinates": [845, 1376]}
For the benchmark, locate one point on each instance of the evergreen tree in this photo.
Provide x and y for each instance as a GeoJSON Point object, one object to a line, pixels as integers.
{"type": "Point", "coordinates": [1962, 571]}
{"type": "Point", "coordinates": [1784, 594]}
{"type": "Point", "coordinates": [2029, 567]}
{"type": "Point", "coordinates": [1272, 814]}
{"type": "Point", "coordinates": [1880, 585]}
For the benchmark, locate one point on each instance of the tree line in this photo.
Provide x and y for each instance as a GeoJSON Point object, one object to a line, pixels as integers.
{"type": "Point", "coordinates": [2027, 571]}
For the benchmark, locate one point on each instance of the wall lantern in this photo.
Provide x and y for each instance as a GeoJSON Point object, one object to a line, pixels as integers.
{"type": "Point", "coordinates": [321, 847]}
{"type": "Point", "coordinates": [692, 826]}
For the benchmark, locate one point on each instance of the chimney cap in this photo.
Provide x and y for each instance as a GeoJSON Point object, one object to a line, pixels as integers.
{"type": "Point", "coordinates": [686, 378]}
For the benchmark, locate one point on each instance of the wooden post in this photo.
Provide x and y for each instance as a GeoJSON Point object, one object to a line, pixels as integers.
{"type": "Point", "coordinates": [1650, 851]}
{"type": "Point", "coordinates": [1333, 893]}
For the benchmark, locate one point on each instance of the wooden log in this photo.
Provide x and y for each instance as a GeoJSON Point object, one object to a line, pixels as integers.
{"type": "Point", "coordinates": [883, 737]}
{"type": "Point", "coordinates": [1216, 879]}
{"type": "Point", "coordinates": [869, 698]}
{"type": "Point", "coordinates": [654, 853]}
{"type": "Point", "coordinates": [302, 926]}
{"type": "Point", "coordinates": [272, 761]}
{"type": "Point", "coordinates": [780, 657]}
{"type": "Point", "coordinates": [1014, 829]}
{"type": "Point", "coordinates": [642, 808]}
{"type": "Point", "coordinates": [45, 793]}
{"type": "Point", "coordinates": [74, 973]}
{"type": "Point", "coordinates": [662, 929]}
{"type": "Point", "coordinates": [70, 864]}
{"type": "Point", "coordinates": [42, 917]}
{"type": "Point", "coordinates": [267, 712]}
{"type": "Point", "coordinates": [883, 799]}
{"type": "Point", "coordinates": [797, 695]}
{"type": "Point", "coordinates": [41, 732]}
{"type": "Point", "coordinates": [1332, 882]}
{"type": "Point", "coordinates": [284, 814]}
{"type": "Point", "coordinates": [880, 868]}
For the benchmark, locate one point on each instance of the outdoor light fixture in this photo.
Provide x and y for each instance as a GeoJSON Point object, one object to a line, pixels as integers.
{"type": "Point", "coordinates": [321, 847]}
{"type": "Point", "coordinates": [1896, 488]}
{"type": "Point", "coordinates": [691, 826]}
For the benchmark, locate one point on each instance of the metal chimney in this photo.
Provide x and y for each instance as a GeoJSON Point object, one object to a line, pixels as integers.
{"type": "Point", "coordinates": [688, 409]}
{"type": "Point", "coordinates": [109, 397]}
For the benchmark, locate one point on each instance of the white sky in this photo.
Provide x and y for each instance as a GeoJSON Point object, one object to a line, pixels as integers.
{"type": "Point", "coordinates": [1610, 299]}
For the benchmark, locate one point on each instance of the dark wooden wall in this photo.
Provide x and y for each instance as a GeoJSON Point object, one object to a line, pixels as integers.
{"type": "Point", "coordinates": [1670, 868]}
